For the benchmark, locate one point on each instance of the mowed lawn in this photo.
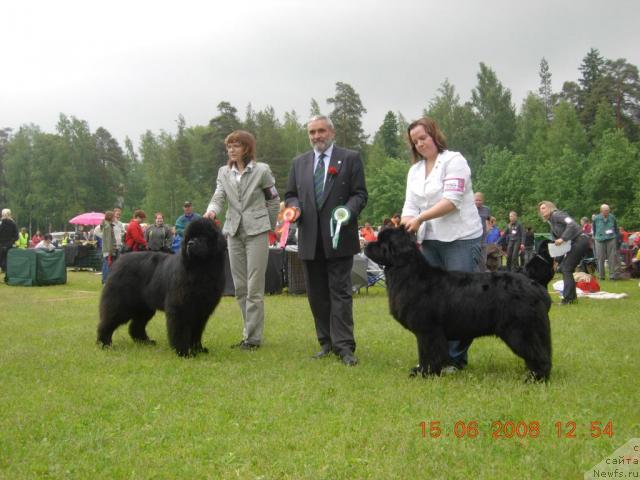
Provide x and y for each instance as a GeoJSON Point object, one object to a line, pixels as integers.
{"type": "Point", "coordinates": [69, 409]}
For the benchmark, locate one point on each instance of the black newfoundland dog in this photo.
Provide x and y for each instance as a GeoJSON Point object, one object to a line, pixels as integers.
{"type": "Point", "coordinates": [438, 306]}
{"type": "Point", "coordinates": [186, 286]}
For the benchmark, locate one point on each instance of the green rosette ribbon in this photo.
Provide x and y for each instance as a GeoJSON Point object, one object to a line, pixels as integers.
{"type": "Point", "coordinates": [340, 216]}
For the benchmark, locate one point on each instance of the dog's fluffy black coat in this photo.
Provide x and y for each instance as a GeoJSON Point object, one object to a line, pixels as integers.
{"type": "Point", "coordinates": [187, 286]}
{"type": "Point", "coordinates": [540, 267]}
{"type": "Point", "coordinates": [438, 306]}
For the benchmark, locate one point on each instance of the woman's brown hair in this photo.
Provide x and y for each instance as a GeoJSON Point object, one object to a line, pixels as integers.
{"type": "Point", "coordinates": [245, 139]}
{"type": "Point", "coordinates": [431, 128]}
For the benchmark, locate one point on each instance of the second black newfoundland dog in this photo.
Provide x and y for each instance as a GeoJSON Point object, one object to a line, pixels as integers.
{"type": "Point", "coordinates": [438, 306]}
{"type": "Point", "coordinates": [187, 286]}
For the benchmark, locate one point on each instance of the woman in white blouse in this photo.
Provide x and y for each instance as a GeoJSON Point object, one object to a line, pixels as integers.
{"type": "Point", "coordinates": [439, 206]}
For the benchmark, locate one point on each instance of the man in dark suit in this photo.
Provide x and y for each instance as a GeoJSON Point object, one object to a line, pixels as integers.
{"type": "Point", "coordinates": [321, 180]}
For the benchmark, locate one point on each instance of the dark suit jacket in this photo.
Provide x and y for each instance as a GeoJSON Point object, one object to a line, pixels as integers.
{"type": "Point", "coordinates": [346, 188]}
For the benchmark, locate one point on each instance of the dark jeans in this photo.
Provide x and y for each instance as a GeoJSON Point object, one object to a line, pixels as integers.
{"type": "Point", "coordinates": [579, 248]}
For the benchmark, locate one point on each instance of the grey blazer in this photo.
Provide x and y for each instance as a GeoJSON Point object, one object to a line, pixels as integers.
{"type": "Point", "coordinates": [252, 202]}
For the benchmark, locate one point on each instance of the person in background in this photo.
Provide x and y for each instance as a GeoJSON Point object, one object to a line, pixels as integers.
{"type": "Point", "coordinates": [565, 229]}
{"type": "Point", "coordinates": [158, 236]}
{"type": "Point", "coordinates": [118, 228]}
{"type": "Point", "coordinates": [134, 236]}
{"type": "Point", "coordinates": [46, 243]}
{"type": "Point", "coordinates": [439, 206]}
{"type": "Point", "coordinates": [175, 243]}
{"type": "Point", "coordinates": [23, 239]}
{"type": "Point", "coordinates": [605, 234]}
{"type": "Point", "coordinates": [623, 237]}
{"type": "Point", "coordinates": [586, 226]}
{"type": "Point", "coordinates": [248, 188]}
{"type": "Point", "coordinates": [493, 234]}
{"type": "Point", "coordinates": [184, 219]}
{"type": "Point", "coordinates": [8, 236]}
{"type": "Point", "coordinates": [367, 233]}
{"type": "Point", "coordinates": [396, 220]}
{"type": "Point", "coordinates": [109, 249]}
{"type": "Point", "coordinates": [485, 213]}
{"type": "Point", "coordinates": [36, 239]}
{"type": "Point", "coordinates": [515, 241]}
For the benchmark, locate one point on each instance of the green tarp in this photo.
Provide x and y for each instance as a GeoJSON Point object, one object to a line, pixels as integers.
{"type": "Point", "coordinates": [35, 267]}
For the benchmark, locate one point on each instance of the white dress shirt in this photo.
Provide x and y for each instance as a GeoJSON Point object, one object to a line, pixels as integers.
{"type": "Point", "coordinates": [450, 178]}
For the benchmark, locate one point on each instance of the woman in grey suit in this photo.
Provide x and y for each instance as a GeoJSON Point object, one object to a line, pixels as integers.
{"type": "Point", "coordinates": [248, 188]}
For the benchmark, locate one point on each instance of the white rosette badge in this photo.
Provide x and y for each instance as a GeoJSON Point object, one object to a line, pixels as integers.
{"type": "Point", "coordinates": [340, 216]}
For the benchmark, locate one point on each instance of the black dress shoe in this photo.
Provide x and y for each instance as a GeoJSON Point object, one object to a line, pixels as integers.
{"type": "Point", "coordinates": [325, 351]}
{"type": "Point", "coordinates": [349, 359]}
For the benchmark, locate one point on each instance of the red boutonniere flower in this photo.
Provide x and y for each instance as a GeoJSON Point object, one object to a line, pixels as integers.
{"type": "Point", "coordinates": [332, 171]}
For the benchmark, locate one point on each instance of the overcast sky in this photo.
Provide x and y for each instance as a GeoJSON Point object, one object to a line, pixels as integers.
{"type": "Point", "coordinates": [131, 66]}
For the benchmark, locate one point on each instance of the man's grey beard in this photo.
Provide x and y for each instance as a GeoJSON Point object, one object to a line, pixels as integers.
{"type": "Point", "coordinates": [322, 146]}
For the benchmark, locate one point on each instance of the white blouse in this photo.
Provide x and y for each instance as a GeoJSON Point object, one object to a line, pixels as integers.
{"type": "Point", "coordinates": [450, 178]}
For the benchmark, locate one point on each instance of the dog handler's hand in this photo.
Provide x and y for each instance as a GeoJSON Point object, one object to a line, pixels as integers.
{"type": "Point", "coordinates": [412, 224]}
{"type": "Point", "coordinates": [211, 214]}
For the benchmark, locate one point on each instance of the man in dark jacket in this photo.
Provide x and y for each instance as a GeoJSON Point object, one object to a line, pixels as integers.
{"type": "Point", "coordinates": [320, 181]}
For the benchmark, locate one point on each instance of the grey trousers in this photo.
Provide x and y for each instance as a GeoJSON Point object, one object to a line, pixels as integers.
{"type": "Point", "coordinates": [608, 250]}
{"type": "Point", "coordinates": [248, 258]}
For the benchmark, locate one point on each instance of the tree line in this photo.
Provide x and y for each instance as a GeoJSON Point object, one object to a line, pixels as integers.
{"type": "Point", "coordinates": [577, 147]}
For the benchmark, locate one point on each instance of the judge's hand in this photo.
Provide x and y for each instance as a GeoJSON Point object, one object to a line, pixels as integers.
{"type": "Point", "coordinates": [296, 216]}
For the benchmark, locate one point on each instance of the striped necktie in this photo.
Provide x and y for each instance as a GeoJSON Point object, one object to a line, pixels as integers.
{"type": "Point", "coordinates": [318, 178]}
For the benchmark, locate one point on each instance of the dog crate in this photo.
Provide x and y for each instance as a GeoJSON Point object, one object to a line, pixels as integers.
{"type": "Point", "coordinates": [30, 267]}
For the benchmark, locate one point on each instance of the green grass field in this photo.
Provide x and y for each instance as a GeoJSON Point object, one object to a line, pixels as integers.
{"type": "Point", "coordinates": [69, 409]}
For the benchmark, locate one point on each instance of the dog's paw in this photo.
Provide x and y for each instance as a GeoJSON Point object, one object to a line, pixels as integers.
{"type": "Point", "coordinates": [186, 354]}
{"type": "Point", "coordinates": [197, 350]}
{"type": "Point", "coordinates": [534, 377]}
{"type": "Point", "coordinates": [417, 370]}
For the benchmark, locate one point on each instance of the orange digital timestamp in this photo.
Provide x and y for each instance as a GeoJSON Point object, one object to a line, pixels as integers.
{"type": "Point", "coordinates": [511, 429]}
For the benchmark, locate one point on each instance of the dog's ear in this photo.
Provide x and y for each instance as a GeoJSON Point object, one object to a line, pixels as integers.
{"type": "Point", "coordinates": [543, 248]}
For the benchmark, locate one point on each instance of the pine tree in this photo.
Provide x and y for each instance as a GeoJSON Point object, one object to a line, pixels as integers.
{"type": "Point", "coordinates": [492, 103]}
{"type": "Point", "coordinates": [347, 117]}
{"type": "Point", "coordinates": [314, 109]}
{"type": "Point", "coordinates": [545, 90]}
{"type": "Point", "coordinates": [387, 135]}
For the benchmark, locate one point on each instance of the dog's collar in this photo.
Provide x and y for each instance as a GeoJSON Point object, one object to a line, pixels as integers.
{"type": "Point", "coordinates": [542, 258]}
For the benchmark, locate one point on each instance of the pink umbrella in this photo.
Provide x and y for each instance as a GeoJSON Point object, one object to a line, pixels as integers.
{"type": "Point", "coordinates": [89, 218]}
